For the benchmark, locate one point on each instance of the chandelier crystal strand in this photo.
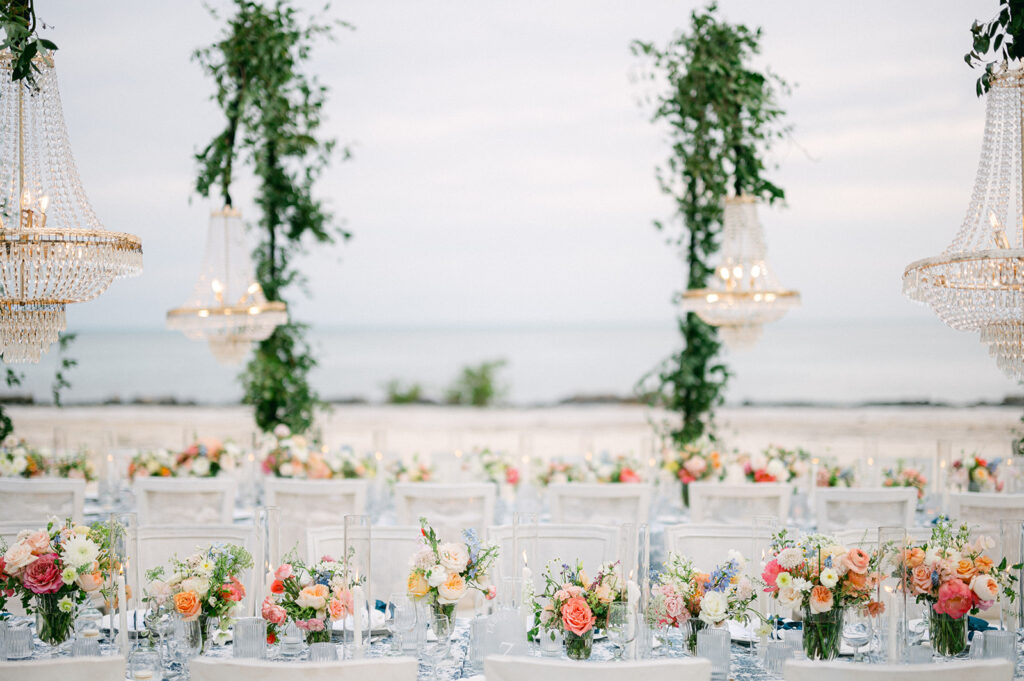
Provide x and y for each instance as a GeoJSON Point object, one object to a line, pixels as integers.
{"type": "Point", "coordinates": [53, 249]}
{"type": "Point", "coordinates": [977, 283]}
{"type": "Point", "coordinates": [743, 293]}
{"type": "Point", "coordinates": [227, 308]}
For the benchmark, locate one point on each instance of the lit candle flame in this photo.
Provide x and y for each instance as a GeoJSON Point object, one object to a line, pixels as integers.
{"type": "Point", "coordinates": [26, 199]}
{"type": "Point", "coordinates": [44, 203]}
{"type": "Point", "coordinates": [998, 233]}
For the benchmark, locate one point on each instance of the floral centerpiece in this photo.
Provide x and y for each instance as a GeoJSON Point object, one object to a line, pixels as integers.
{"type": "Point", "coordinates": [620, 469]}
{"type": "Point", "coordinates": [312, 596]}
{"type": "Point", "coordinates": [414, 471]}
{"type": "Point", "coordinates": [902, 476]}
{"type": "Point", "coordinates": [492, 466]}
{"type": "Point", "coordinates": [54, 570]}
{"type": "Point", "coordinates": [816, 575]}
{"type": "Point", "coordinates": [443, 573]}
{"type": "Point", "coordinates": [74, 465]}
{"type": "Point", "coordinates": [953, 577]}
{"type": "Point", "coordinates": [976, 474]}
{"type": "Point", "coordinates": [204, 587]}
{"type": "Point", "coordinates": [576, 604]}
{"type": "Point", "coordinates": [684, 597]}
{"type": "Point", "coordinates": [692, 464]}
{"type": "Point", "coordinates": [559, 472]}
{"type": "Point", "coordinates": [17, 459]}
{"type": "Point", "coordinates": [206, 458]}
{"type": "Point", "coordinates": [831, 474]}
{"type": "Point", "coordinates": [291, 457]}
{"type": "Point", "coordinates": [153, 463]}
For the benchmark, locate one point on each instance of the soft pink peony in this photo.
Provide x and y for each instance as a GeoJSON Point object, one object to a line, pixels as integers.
{"type": "Point", "coordinates": [770, 574]}
{"type": "Point", "coordinates": [272, 612]}
{"type": "Point", "coordinates": [284, 571]}
{"type": "Point", "coordinates": [955, 599]}
{"type": "Point", "coordinates": [43, 576]}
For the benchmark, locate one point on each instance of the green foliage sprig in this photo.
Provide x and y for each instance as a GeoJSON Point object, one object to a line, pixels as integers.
{"type": "Point", "coordinates": [477, 386]}
{"type": "Point", "coordinates": [18, 24]}
{"type": "Point", "coordinates": [722, 118]}
{"type": "Point", "coordinates": [997, 42]}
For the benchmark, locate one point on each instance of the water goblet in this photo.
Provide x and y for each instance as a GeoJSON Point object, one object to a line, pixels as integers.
{"type": "Point", "coordinates": [621, 626]}
{"type": "Point", "coordinates": [856, 633]}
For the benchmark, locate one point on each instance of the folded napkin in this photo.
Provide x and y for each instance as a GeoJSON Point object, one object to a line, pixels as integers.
{"type": "Point", "coordinates": [977, 624]}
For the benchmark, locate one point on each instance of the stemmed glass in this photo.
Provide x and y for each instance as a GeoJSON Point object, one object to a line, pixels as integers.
{"type": "Point", "coordinates": [400, 618]}
{"type": "Point", "coordinates": [436, 650]}
{"type": "Point", "coordinates": [856, 632]}
{"type": "Point", "coordinates": [160, 622]}
{"type": "Point", "coordinates": [621, 626]}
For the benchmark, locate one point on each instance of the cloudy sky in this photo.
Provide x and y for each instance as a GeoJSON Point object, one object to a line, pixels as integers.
{"type": "Point", "coordinates": [503, 168]}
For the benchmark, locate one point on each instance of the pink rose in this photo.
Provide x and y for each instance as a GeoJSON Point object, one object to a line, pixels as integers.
{"type": "Point", "coordinates": [577, 616]}
{"type": "Point", "coordinates": [284, 571]}
{"type": "Point", "coordinates": [770, 574]}
{"type": "Point", "coordinates": [314, 625]}
{"type": "Point", "coordinates": [857, 561]}
{"type": "Point", "coordinates": [39, 542]}
{"type": "Point", "coordinates": [42, 576]}
{"type": "Point", "coordinates": [272, 612]}
{"type": "Point", "coordinates": [955, 599]}
{"type": "Point", "coordinates": [675, 606]}
{"type": "Point", "coordinates": [512, 476]}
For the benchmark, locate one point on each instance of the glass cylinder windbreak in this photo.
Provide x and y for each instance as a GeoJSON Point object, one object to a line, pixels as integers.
{"type": "Point", "coordinates": [358, 569]}
{"type": "Point", "coordinates": [522, 564]}
{"type": "Point", "coordinates": [268, 556]}
{"type": "Point", "coordinates": [893, 625]}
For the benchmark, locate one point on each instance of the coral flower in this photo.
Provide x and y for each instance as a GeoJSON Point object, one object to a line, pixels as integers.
{"type": "Point", "coordinates": [955, 599]}
{"type": "Point", "coordinates": [628, 475]}
{"type": "Point", "coordinates": [577, 617]}
{"type": "Point", "coordinates": [821, 599]}
{"type": "Point", "coordinates": [915, 557]}
{"type": "Point", "coordinates": [187, 604]}
{"type": "Point", "coordinates": [277, 587]}
{"type": "Point", "coordinates": [770, 574]}
{"type": "Point", "coordinates": [983, 564]}
{"type": "Point", "coordinates": [965, 570]}
{"type": "Point", "coordinates": [857, 560]}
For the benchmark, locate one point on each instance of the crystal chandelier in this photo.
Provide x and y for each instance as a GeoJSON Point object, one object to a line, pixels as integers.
{"type": "Point", "coordinates": [743, 294]}
{"type": "Point", "coordinates": [976, 284]}
{"type": "Point", "coordinates": [53, 249]}
{"type": "Point", "coordinates": [227, 308]}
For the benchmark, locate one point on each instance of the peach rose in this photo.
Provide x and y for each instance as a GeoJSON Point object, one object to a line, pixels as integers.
{"type": "Point", "coordinates": [985, 588]}
{"type": "Point", "coordinates": [452, 589]}
{"type": "Point", "coordinates": [90, 581]}
{"type": "Point", "coordinates": [17, 557]}
{"type": "Point", "coordinates": [983, 564]}
{"type": "Point", "coordinates": [915, 557]}
{"type": "Point", "coordinates": [417, 585]}
{"type": "Point", "coordinates": [577, 617]}
{"type": "Point", "coordinates": [856, 580]}
{"type": "Point", "coordinates": [39, 542]}
{"type": "Point", "coordinates": [187, 604]}
{"type": "Point", "coordinates": [821, 599]}
{"type": "Point", "coordinates": [965, 570]}
{"type": "Point", "coordinates": [921, 580]}
{"type": "Point", "coordinates": [313, 596]}
{"type": "Point", "coordinates": [857, 560]}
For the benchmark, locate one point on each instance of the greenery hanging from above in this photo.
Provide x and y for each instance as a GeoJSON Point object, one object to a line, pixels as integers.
{"type": "Point", "coordinates": [997, 42]}
{"type": "Point", "coordinates": [18, 23]}
{"type": "Point", "coordinates": [722, 117]}
{"type": "Point", "coordinates": [274, 112]}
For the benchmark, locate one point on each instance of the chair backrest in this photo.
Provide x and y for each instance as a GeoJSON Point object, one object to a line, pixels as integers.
{"type": "Point", "coordinates": [708, 545]}
{"type": "Point", "coordinates": [979, 670]}
{"type": "Point", "coordinates": [450, 509]}
{"type": "Point", "coordinates": [984, 510]}
{"type": "Point", "coordinates": [860, 507]}
{"type": "Point", "coordinates": [600, 504]}
{"type": "Point", "coordinates": [390, 551]}
{"type": "Point", "coordinates": [593, 544]}
{"type": "Point", "coordinates": [158, 544]}
{"type": "Point", "coordinates": [36, 500]}
{"type": "Point", "coordinates": [305, 504]}
{"type": "Point", "coordinates": [500, 668]}
{"type": "Point", "coordinates": [717, 502]}
{"type": "Point", "coordinates": [64, 668]}
{"type": "Point", "coordinates": [378, 669]}
{"type": "Point", "coordinates": [177, 501]}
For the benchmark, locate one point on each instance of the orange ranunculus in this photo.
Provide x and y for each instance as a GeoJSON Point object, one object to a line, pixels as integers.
{"type": "Point", "coordinates": [875, 608]}
{"type": "Point", "coordinates": [915, 557]}
{"type": "Point", "coordinates": [983, 564]}
{"type": "Point", "coordinates": [965, 570]}
{"type": "Point", "coordinates": [856, 580]}
{"type": "Point", "coordinates": [857, 560]}
{"type": "Point", "coordinates": [277, 587]}
{"type": "Point", "coordinates": [417, 585]}
{"type": "Point", "coordinates": [187, 604]}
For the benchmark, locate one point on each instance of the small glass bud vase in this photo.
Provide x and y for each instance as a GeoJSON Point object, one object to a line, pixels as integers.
{"type": "Point", "coordinates": [579, 647]}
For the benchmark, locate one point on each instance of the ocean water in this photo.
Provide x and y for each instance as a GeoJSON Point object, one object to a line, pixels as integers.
{"type": "Point", "coordinates": [831, 362]}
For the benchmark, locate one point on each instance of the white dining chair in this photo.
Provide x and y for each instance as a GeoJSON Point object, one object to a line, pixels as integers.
{"type": "Point", "coordinates": [378, 669]}
{"type": "Point", "coordinates": [158, 544]}
{"type": "Point", "coordinates": [450, 509]}
{"type": "Point", "coordinates": [867, 537]}
{"type": "Point", "coordinates": [35, 501]}
{"type": "Point", "coordinates": [391, 549]}
{"type": "Point", "coordinates": [979, 670]}
{"type": "Point", "coordinates": [715, 502]}
{"type": "Point", "coordinates": [178, 501]}
{"type": "Point", "coordinates": [500, 668]}
{"type": "Point", "coordinates": [860, 507]}
{"type": "Point", "coordinates": [592, 544]}
{"type": "Point", "coordinates": [984, 510]}
{"type": "Point", "coordinates": [600, 503]}
{"type": "Point", "coordinates": [305, 504]}
{"type": "Point", "coordinates": [709, 545]}
{"type": "Point", "coordinates": [65, 668]}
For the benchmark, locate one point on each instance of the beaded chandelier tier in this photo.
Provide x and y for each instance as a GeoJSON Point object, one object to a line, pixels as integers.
{"type": "Point", "coordinates": [227, 308]}
{"type": "Point", "coordinates": [743, 294]}
{"type": "Point", "coordinates": [977, 283]}
{"type": "Point", "coordinates": [53, 249]}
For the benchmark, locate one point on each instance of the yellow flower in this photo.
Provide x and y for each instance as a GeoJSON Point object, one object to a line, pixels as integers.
{"type": "Point", "coordinates": [417, 585]}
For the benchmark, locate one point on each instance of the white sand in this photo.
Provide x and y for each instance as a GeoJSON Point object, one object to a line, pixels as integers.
{"type": "Point", "coordinates": [546, 432]}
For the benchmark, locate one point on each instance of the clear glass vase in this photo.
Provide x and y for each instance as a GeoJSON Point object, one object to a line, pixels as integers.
{"type": "Point", "coordinates": [53, 625]}
{"type": "Point", "coordinates": [692, 626]}
{"type": "Point", "coordinates": [579, 647]}
{"type": "Point", "coordinates": [442, 620]}
{"type": "Point", "coordinates": [948, 635]}
{"type": "Point", "coordinates": [823, 633]}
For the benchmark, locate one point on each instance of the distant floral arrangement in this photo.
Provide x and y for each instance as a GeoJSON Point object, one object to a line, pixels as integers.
{"type": "Point", "coordinates": [693, 463]}
{"type": "Point", "coordinates": [831, 474]}
{"type": "Point", "coordinates": [492, 466]}
{"type": "Point", "coordinates": [621, 469]}
{"type": "Point", "coordinates": [560, 472]}
{"type": "Point", "coordinates": [905, 476]}
{"type": "Point", "coordinates": [18, 459]}
{"type": "Point", "coordinates": [207, 458]}
{"type": "Point", "coordinates": [413, 471]}
{"type": "Point", "coordinates": [155, 463]}
{"type": "Point", "coordinates": [773, 464]}
{"type": "Point", "coordinates": [75, 465]}
{"type": "Point", "coordinates": [976, 474]}
{"type": "Point", "coordinates": [293, 457]}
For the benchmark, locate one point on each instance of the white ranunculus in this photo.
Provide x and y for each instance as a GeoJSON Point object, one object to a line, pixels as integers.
{"type": "Point", "coordinates": [201, 466]}
{"type": "Point", "coordinates": [714, 607]}
{"type": "Point", "coordinates": [777, 469]}
{"type": "Point", "coordinates": [436, 575]}
{"type": "Point", "coordinates": [200, 585]}
{"type": "Point", "coordinates": [828, 577]}
{"type": "Point", "coordinates": [453, 556]}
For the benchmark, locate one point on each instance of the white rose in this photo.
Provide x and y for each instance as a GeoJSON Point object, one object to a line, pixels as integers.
{"type": "Point", "coordinates": [436, 575]}
{"type": "Point", "coordinates": [19, 465]}
{"type": "Point", "coordinates": [985, 587]}
{"type": "Point", "coordinates": [200, 585]}
{"type": "Point", "coordinates": [758, 461]}
{"type": "Point", "coordinates": [789, 599]}
{"type": "Point", "coordinates": [714, 607]}
{"type": "Point", "coordinates": [201, 467]}
{"type": "Point", "coordinates": [286, 470]}
{"type": "Point", "coordinates": [453, 557]}
{"type": "Point", "coordinates": [777, 469]}
{"type": "Point", "coordinates": [281, 431]}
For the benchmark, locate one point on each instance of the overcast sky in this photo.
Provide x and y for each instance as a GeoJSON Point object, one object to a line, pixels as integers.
{"type": "Point", "coordinates": [503, 169]}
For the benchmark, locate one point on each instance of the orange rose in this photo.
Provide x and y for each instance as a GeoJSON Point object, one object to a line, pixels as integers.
{"type": "Point", "coordinates": [187, 604]}
{"type": "Point", "coordinates": [856, 580]}
{"type": "Point", "coordinates": [965, 570]}
{"type": "Point", "coordinates": [983, 564]}
{"type": "Point", "coordinates": [921, 580]}
{"type": "Point", "coordinates": [821, 599]}
{"type": "Point", "coordinates": [915, 557]}
{"type": "Point", "coordinates": [417, 585]}
{"type": "Point", "coordinates": [875, 608]}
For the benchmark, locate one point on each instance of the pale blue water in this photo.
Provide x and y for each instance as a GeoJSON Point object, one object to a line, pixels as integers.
{"type": "Point", "coordinates": [833, 362]}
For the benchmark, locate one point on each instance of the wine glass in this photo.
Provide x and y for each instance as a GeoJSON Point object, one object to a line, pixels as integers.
{"type": "Point", "coordinates": [856, 632]}
{"type": "Point", "coordinates": [621, 626]}
{"type": "Point", "coordinates": [406, 621]}
{"type": "Point", "coordinates": [437, 649]}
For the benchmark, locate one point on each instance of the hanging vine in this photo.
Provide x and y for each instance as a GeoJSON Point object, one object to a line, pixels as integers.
{"type": "Point", "coordinates": [722, 117]}
{"type": "Point", "coordinates": [274, 112]}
